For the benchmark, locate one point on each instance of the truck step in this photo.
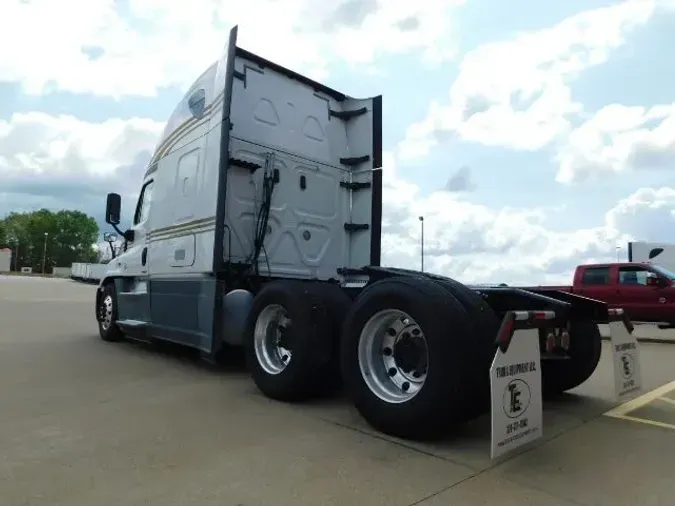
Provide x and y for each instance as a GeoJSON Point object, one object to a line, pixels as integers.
{"type": "Point", "coordinates": [134, 329]}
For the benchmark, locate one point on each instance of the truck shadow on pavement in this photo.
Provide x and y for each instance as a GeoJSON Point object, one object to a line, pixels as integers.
{"type": "Point", "coordinates": [561, 412]}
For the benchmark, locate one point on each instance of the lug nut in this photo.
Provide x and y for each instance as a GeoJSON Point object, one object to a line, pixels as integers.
{"type": "Point", "coordinates": [565, 340]}
{"type": "Point", "coordinates": [387, 352]}
{"type": "Point", "coordinates": [405, 386]}
{"type": "Point", "coordinates": [392, 371]}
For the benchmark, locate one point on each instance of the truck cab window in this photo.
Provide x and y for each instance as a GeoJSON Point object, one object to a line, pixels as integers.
{"type": "Point", "coordinates": [633, 276]}
{"type": "Point", "coordinates": [596, 276]}
{"type": "Point", "coordinates": [143, 206]}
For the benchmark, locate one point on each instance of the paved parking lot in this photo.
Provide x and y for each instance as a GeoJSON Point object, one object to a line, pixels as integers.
{"type": "Point", "coordinates": [85, 423]}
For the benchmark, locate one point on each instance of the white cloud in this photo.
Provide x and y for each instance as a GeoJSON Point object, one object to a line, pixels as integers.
{"type": "Point", "coordinates": [619, 138]}
{"type": "Point", "coordinates": [648, 214]}
{"type": "Point", "coordinates": [516, 93]}
{"type": "Point", "coordinates": [105, 47]}
{"type": "Point", "coordinates": [460, 181]}
{"type": "Point", "coordinates": [477, 244]}
{"type": "Point", "coordinates": [60, 160]}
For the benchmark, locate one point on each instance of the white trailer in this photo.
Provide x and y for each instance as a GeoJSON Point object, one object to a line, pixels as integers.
{"type": "Point", "coordinates": [258, 224]}
{"type": "Point", "coordinates": [5, 260]}
{"type": "Point", "coordinates": [659, 253]}
{"type": "Point", "coordinates": [88, 273]}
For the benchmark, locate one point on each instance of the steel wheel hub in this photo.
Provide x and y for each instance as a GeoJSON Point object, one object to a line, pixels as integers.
{"type": "Point", "coordinates": [393, 356]}
{"type": "Point", "coordinates": [106, 312]}
{"type": "Point", "coordinates": [271, 339]}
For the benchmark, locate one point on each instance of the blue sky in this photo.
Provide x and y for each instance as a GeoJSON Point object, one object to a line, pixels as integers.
{"type": "Point", "coordinates": [527, 215]}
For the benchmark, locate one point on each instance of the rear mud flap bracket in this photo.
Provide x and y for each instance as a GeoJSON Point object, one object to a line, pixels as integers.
{"type": "Point", "coordinates": [625, 354]}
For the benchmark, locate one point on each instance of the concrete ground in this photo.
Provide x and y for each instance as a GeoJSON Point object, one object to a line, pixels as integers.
{"type": "Point", "coordinates": [85, 423]}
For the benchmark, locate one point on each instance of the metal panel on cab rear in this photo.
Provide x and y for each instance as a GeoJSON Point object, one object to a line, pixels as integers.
{"type": "Point", "coordinates": [321, 146]}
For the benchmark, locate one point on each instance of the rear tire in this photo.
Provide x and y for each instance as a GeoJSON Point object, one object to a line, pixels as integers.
{"type": "Point", "coordinates": [405, 307]}
{"type": "Point", "coordinates": [107, 315]}
{"type": "Point", "coordinates": [287, 343]}
{"type": "Point", "coordinates": [584, 353]}
{"type": "Point", "coordinates": [337, 304]}
{"type": "Point", "coordinates": [485, 326]}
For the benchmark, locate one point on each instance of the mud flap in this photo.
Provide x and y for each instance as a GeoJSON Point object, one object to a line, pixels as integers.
{"type": "Point", "coordinates": [515, 382]}
{"type": "Point", "coordinates": [625, 355]}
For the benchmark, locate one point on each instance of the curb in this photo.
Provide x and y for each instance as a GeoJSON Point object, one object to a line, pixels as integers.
{"type": "Point", "coordinates": [649, 340]}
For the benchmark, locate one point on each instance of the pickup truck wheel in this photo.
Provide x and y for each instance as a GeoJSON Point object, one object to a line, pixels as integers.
{"type": "Point", "coordinates": [286, 343]}
{"type": "Point", "coordinates": [403, 357]}
{"type": "Point", "coordinates": [485, 325]}
{"type": "Point", "coordinates": [584, 355]}
{"type": "Point", "coordinates": [107, 315]}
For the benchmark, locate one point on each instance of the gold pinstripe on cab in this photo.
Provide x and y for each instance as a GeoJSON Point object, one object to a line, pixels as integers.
{"type": "Point", "coordinates": [190, 227]}
{"type": "Point", "coordinates": [185, 128]}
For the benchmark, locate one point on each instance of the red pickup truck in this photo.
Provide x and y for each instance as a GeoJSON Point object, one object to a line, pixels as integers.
{"type": "Point", "coordinates": [645, 291]}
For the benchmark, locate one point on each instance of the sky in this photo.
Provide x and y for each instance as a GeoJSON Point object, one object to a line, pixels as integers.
{"type": "Point", "coordinates": [532, 136]}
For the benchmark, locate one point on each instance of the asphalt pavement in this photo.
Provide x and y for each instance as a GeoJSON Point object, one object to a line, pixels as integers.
{"type": "Point", "coordinates": [87, 423]}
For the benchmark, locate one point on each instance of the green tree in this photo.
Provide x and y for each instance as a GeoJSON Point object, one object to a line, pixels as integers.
{"type": "Point", "coordinates": [66, 237]}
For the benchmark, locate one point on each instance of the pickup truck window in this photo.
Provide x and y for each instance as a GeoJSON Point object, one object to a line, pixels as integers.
{"type": "Point", "coordinates": [595, 276]}
{"type": "Point", "coordinates": [633, 276]}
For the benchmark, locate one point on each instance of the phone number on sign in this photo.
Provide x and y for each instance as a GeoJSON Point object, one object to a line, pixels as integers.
{"type": "Point", "coordinates": [518, 436]}
{"type": "Point", "coordinates": [517, 425]}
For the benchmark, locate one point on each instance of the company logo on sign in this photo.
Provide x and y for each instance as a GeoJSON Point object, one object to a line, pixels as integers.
{"type": "Point", "coordinates": [516, 398]}
{"type": "Point", "coordinates": [627, 366]}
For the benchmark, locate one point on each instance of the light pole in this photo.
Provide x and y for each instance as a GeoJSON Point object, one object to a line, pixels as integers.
{"type": "Point", "coordinates": [44, 255]}
{"type": "Point", "coordinates": [15, 243]}
{"type": "Point", "coordinates": [618, 250]}
{"type": "Point", "coordinates": [422, 243]}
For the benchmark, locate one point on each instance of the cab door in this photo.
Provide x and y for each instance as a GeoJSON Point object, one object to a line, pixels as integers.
{"type": "Point", "coordinates": [132, 265]}
{"type": "Point", "coordinates": [135, 259]}
{"type": "Point", "coordinates": [641, 302]}
{"type": "Point", "coordinates": [596, 282]}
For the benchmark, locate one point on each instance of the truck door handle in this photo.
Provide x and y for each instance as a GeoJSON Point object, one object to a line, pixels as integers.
{"type": "Point", "coordinates": [144, 256]}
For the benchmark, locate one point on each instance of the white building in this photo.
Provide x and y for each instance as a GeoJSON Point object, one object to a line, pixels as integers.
{"type": "Point", "coordinates": [5, 260]}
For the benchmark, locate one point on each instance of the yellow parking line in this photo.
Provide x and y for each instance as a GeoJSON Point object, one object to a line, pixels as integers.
{"type": "Point", "coordinates": [667, 399]}
{"type": "Point", "coordinates": [645, 421]}
{"type": "Point", "coordinates": [621, 410]}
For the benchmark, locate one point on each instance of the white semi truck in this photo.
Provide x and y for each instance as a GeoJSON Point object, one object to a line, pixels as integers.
{"type": "Point", "coordinates": [258, 225]}
{"type": "Point", "coordinates": [659, 253]}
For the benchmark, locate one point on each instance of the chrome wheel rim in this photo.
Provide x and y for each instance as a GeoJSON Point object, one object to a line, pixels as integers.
{"type": "Point", "coordinates": [106, 312]}
{"type": "Point", "coordinates": [271, 349]}
{"type": "Point", "coordinates": [393, 356]}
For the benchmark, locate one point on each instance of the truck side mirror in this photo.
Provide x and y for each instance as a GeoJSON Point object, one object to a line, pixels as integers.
{"type": "Point", "coordinates": [656, 282]}
{"type": "Point", "coordinates": [113, 207]}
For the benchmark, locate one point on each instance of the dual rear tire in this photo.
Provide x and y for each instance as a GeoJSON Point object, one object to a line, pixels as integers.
{"type": "Point", "coordinates": [413, 353]}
